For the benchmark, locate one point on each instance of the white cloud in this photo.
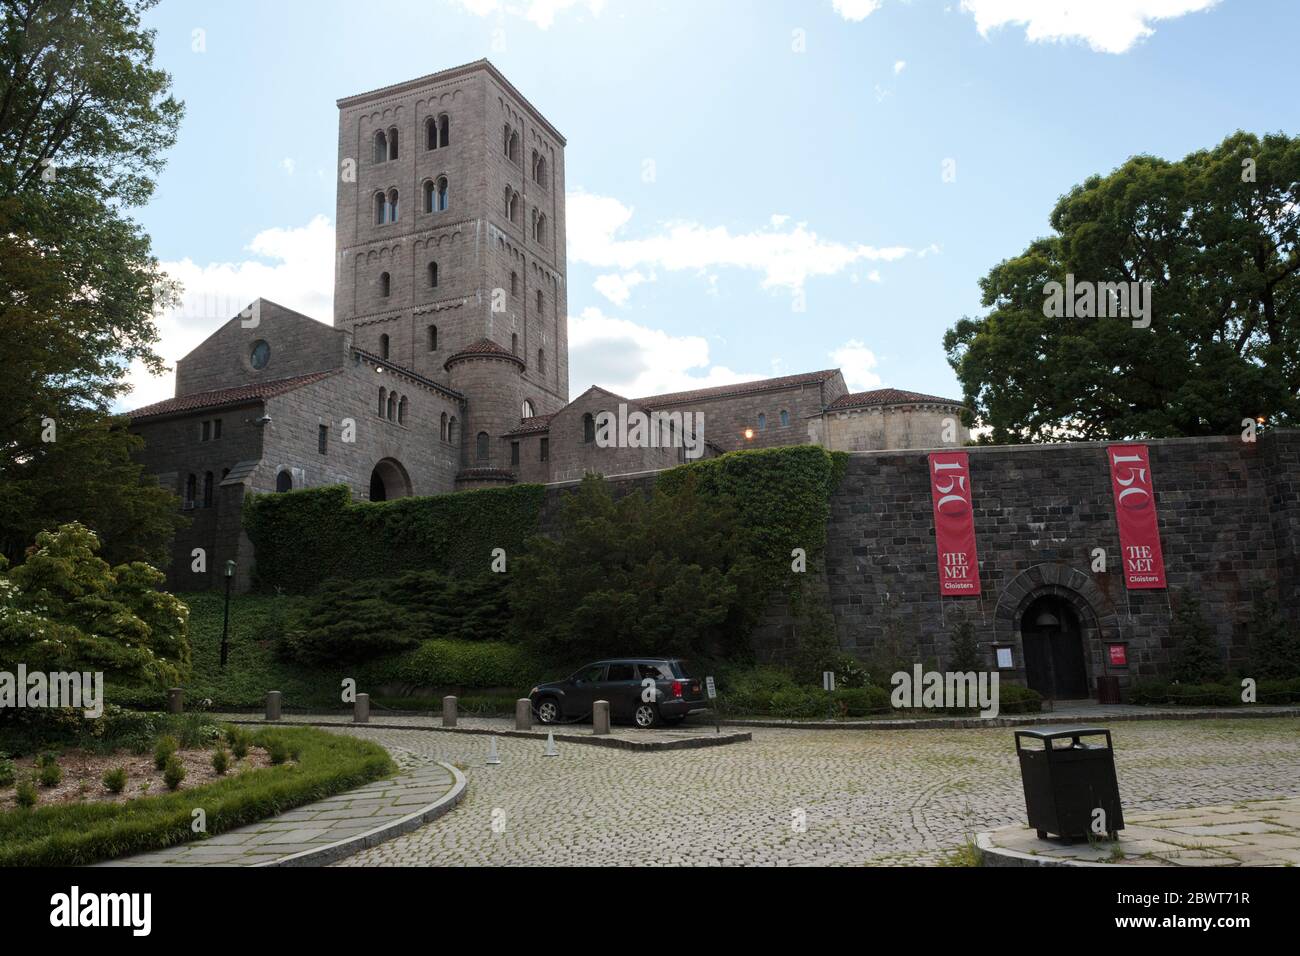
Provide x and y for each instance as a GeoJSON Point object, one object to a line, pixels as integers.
{"type": "Point", "coordinates": [618, 287]}
{"type": "Point", "coordinates": [855, 10]}
{"type": "Point", "coordinates": [635, 361]}
{"type": "Point", "coordinates": [899, 66]}
{"type": "Point", "coordinates": [293, 267]}
{"type": "Point", "coordinates": [541, 13]}
{"type": "Point", "coordinates": [787, 256]}
{"type": "Point", "coordinates": [856, 361]}
{"type": "Point", "coordinates": [1108, 26]}
{"type": "Point", "coordinates": [287, 165]}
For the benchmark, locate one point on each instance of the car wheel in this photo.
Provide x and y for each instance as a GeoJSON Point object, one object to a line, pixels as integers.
{"type": "Point", "coordinates": [548, 711]}
{"type": "Point", "coordinates": [646, 715]}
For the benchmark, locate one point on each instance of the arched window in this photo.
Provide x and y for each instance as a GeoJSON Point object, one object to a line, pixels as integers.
{"type": "Point", "coordinates": [541, 361]}
{"type": "Point", "coordinates": [511, 144]}
{"type": "Point", "coordinates": [588, 428]}
{"type": "Point", "coordinates": [383, 401]}
{"type": "Point", "coordinates": [392, 405]}
{"type": "Point", "coordinates": [433, 275]}
{"type": "Point", "coordinates": [430, 195]}
{"type": "Point", "coordinates": [381, 209]}
{"type": "Point", "coordinates": [539, 168]}
{"type": "Point", "coordinates": [539, 300]}
{"type": "Point", "coordinates": [385, 285]}
{"type": "Point", "coordinates": [514, 343]}
{"type": "Point", "coordinates": [392, 143]}
{"type": "Point", "coordinates": [392, 205]}
{"type": "Point", "coordinates": [207, 490]}
{"type": "Point", "coordinates": [762, 421]}
{"type": "Point", "coordinates": [785, 418]}
{"type": "Point", "coordinates": [539, 229]}
{"type": "Point", "coordinates": [444, 130]}
{"type": "Point", "coordinates": [440, 199]}
{"type": "Point", "coordinates": [442, 427]}
{"type": "Point", "coordinates": [482, 448]}
{"type": "Point", "coordinates": [528, 411]}
{"type": "Point", "coordinates": [433, 338]}
{"type": "Point", "coordinates": [191, 490]}
{"type": "Point", "coordinates": [284, 481]}
{"type": "Point", "coordinates": [401, 411]}
{"type": "Point", "coordinates": [381, 146]}
{"type": "Point", "coordinates": [514, 283]}
{"type": "Point", "coordinates": [383, 346]}
{"type": "Point", "coordinates": [453, 431]}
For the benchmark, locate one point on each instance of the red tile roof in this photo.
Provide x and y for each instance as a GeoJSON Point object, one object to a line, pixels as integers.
{"type": "Point", "coordinates": [739, 388]}
{"type": "Point", "coordinates": [484, 347]}
{"type": "Point", "coordinates": [530, 426]}
{"type": "Point", "coordinates": [888, 396]}
{"type": "Point", "coordinates": [221, 397]}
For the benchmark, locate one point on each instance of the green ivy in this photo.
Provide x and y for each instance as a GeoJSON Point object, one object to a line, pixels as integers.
{"type": "Point", "coordinates": [304, 538]}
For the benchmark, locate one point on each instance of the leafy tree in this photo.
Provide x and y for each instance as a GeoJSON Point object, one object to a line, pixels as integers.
{"type": "Point", "coordinates": [668, 574]}
{"type": "Point", "coordinates": [66, 609]}
{"type": "Point", "coordinates": [1196, 653]}
{"type": "Point", "coordinates": [964, 649]}
{"type": "Point", "coordinates": [1224, 341]}
{"type": "Point", "coordinates": [85, 120]}
{"type": "Point", "coordinates": [1275, 646]}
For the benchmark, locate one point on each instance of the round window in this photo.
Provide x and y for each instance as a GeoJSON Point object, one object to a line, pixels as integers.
{"type": "Point", "coordinates": [260, 355]}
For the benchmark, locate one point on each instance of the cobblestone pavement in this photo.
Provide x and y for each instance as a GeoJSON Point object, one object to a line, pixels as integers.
{"type": "Point", "coordinates": [891, 797]}
{"type": "Point", "coordinates": [1260, 833]}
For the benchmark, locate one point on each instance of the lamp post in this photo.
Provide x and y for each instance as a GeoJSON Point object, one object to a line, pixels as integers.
{"type": "Point", "coordinates": [225, 623]}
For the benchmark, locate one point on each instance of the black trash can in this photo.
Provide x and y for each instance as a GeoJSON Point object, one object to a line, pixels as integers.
{"type": "Point", "coordinates": [1066, 780]}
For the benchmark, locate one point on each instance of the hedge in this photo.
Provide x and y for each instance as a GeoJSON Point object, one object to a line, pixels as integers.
{"type": "Point", "coordinates": [477, 664]}
{"type": "Point", "coordinates": [1213, 695]}
{"type": "Point", "coordinates": [305, 538]}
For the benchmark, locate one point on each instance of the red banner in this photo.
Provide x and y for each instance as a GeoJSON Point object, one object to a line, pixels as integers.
{"type": "Point", "coordinates": [1135, 513]}
{"type": "Point", "coordinates": [954, 523]}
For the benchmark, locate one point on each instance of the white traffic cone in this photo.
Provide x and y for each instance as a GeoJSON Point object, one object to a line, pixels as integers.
{"type": "Point", "coordinates": [550, 745]}
{"type": "Point", "coordinates": [493, 757]}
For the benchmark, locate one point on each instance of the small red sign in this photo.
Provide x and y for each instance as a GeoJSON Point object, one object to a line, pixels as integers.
{"type": "Point", "coordinates": [1118, 655]}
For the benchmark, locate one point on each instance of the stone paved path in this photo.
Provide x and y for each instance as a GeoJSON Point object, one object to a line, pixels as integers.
{"type": "Point", "coordinates": [1260, 833]}
{"type": "Point", "coordinates": [314, 826]}
{"type": "Point", "coordinates": [882, 797]}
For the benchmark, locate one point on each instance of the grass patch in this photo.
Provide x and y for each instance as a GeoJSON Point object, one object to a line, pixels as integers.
{"type": "Point", "coordinates": [77, 834]}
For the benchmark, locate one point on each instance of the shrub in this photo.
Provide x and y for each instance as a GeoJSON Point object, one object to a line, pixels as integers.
{"type": "Point", "coordinates": [239, 743]}
{"type": "Point", "coordinates": [850, 672]}
{"type": "Point", "coordinates": [798, 702]}
{"type": "Point", "coordinates": [115, 779]}
{"type": "Point", "coordinates": [173, 772]}
{"type": "Point", "coordinates": [861, 701]}
{"type": "Point", "coordinates": [48, 771]}
{"type": "Point", "coordinates": [1014, 699]}
{"type": "Point", "coordinates": [1274, 647]}
{"type": "Point", "coordinates": [1279, 691]}
{"type": "Point", "coordinates": [1196, 655]}
{"type": "Point", "coordinates": [963, 650]}
{"type": "Point", "coordinates": [163, 749]}
{"type": "Point", "coordinates": [277, 750]}
{"type": "Point", "coordinates": [26, 793]}
{"type": "Point", "coordinates": [221, 760]}
{"type": "Point", "coordinates": [7, 772]}
{"type": "Point", "coordinates": [458, 664]}
{"type": "Point", "coordinates": [1189, 695]}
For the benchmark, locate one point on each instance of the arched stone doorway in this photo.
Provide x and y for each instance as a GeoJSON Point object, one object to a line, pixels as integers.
{"type": "Point", "coordinates": [389, 480]}
{"type": "Point", "coordinates": [1052, 638]}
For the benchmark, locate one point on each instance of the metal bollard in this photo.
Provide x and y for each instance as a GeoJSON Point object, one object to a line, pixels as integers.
{"type": "Point", "coordinates": [449, 711]}
{"type": "Point", "coordinates": [361, 709]}
{"type": "Point", "coordinates": [175, 700]}
{"type": "Point", "coordinates": [273, 705]}
{"type": "Point", "coordinates": [523, 714]}
{"type": "Point", "coordinates": [600, 717]}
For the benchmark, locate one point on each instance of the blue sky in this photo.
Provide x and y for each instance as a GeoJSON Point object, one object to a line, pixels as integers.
{"type": "Point", "coordinates": [754, 188]}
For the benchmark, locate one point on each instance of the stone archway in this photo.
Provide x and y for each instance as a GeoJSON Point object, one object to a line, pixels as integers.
{"type": "Point", "coordinates": [1081, 601]}
{"type": "Point", "coordinates": [389, 480]}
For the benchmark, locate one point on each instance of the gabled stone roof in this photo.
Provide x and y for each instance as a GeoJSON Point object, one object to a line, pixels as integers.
{"type": "Point", "coordinates": [889, 396]}
{"type": "Point", "coordinates": [739, 388]}
{"type": "Point", "coordinates": [222, 397]}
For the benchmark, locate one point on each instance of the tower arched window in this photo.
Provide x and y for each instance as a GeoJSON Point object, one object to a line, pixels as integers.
{"type": "Point", "coordinates": [392, 405]}
{"type": "Point", "coordinates": [442, 427]}
{"type": "Point", "coordinates": [453, 430]}
{"type": "Point", "coordinates": [514, 343]}
{"type": "Point", "coordinates": [514, 283]}
{"type": "Point", "coordinates": [383, 401]}
{"type": "Point", "coordinates": [442, 190]}
{"type": "Point", "coordinates": [433, 275]}
{"type": "Point", "coordinates": [385, 285]}
{"type": "Point", "coordinates": [785, 418]}
{"type": "Point", "coordinates": [207, 490]}
{"type": "Point", "coordinates": [588, 428]}
{"type": "Point", "coordinates": [381, 209]}
{"type": "Point", "coordinates": [191, 490]}
{"type": "Point", "coordinates": [383, 346]}
{"type": "Point", "coordinates": [539, 300]}
{"type": "Point", "coordinates": [284, 481]}
{"type": "Point", "coordinates": [762, 421]}
{"type": "Point", "coordinates": [527, 411]}
{"type": "Point", "coordinates": [433, 338]}
{"type": "Point", "coordinates": [392, 205]}
{"type": "Point", "coordinates": [381, 146]}
{"type": "Point", "coordinates": [541, 361]}
{"type": "Point", "coordinates": [401, 410]}
{"type": "Point", "coordinates": [392, 143]}
{"type": "Point", "coordinates": [430, 196]}
{"type": "Point", "coordinates": [539, 228]}
{"type": "Point", "coordinates": [444, 130]}
{"type": "Point", "coordinates": [511, 144]}
{"type": "Point", "coordinates": [511, 208]}
{"type": "Point", "coordinates": [482, 446]}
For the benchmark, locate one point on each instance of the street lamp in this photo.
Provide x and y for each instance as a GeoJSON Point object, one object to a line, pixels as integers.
{"type": "Point", "coordinates": [225, 623]}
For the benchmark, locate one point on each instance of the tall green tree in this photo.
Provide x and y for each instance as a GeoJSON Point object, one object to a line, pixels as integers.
{"type": "Point", "coordinates": [85, 121]}
{"type": "Point", "coordinates": [1216, 235]}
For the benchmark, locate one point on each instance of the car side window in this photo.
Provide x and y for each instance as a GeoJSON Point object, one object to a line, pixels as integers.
{"type": "Point", "coordinates": [621, 672]}
{"type": "Point", "coordinates": [593, 673]}
{"type": "Point", "coordinates": [653, 671]}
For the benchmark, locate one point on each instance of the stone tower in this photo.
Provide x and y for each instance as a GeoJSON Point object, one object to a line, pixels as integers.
{"type": "Point", "coordinates": [450, 246]}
